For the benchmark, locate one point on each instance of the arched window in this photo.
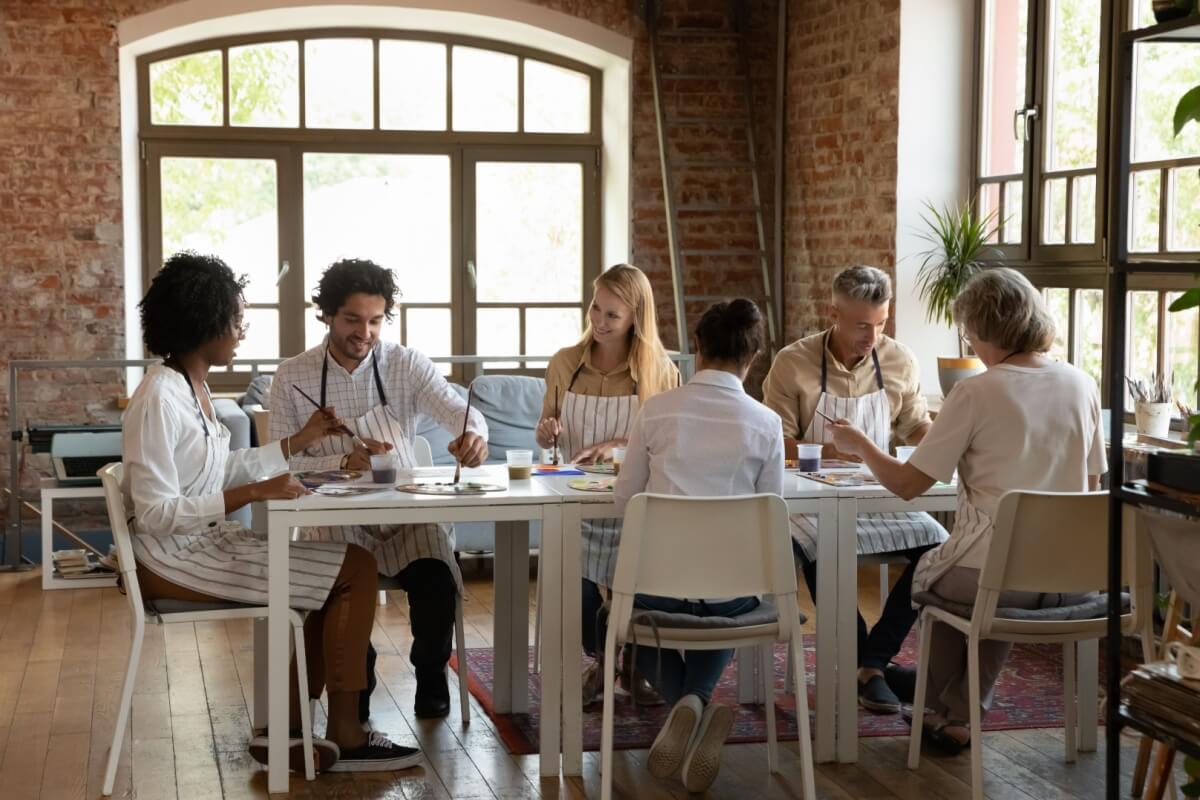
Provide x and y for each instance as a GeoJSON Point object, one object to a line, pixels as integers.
{"type": "Point", "coordinates": [469, 167]}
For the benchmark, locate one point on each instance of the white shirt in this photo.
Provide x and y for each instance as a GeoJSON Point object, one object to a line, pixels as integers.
{"type": "Point", "coordinates": [706, 439]}
{"type": "Point", "coordinates": [1032, 428]}
{"type": "Point", "coordinates": [411, 382]}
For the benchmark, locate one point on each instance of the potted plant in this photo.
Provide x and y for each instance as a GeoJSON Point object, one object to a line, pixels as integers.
{"type": "Point", "coordinates": [958, 239]}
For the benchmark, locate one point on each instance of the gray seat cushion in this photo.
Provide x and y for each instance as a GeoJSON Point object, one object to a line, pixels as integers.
{"type": "Point", "coordinates": [1091, 606]}
{"type": "Point", "coordinates": [766, 613]}
{"type": "Point", "coordinates": [162, 606]}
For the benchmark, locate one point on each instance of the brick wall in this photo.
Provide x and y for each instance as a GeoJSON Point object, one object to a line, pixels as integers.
{"type": "Point", "coordinates": [60, 195]}
{"type": "Point", "coordinates": [840, 148]}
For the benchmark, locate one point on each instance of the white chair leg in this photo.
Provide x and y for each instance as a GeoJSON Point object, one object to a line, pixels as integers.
{"type": "Point", "coordinates": [789, 683]}
{"type": "Point", "coordinates": [883, 583]}
{"type": "Point", "coordinates": [258, 719]}
{"type": "Point", "coordinates": [976, 715]}
{"type": "Point", "coordinates": [1070, 701]}
{"type": "Point", "coordinates": [606, 727]}
{"type": "Point", "coordinates": [925, 633]}
{"type": "Point", "coordinates": [131, 668]}
{"type": "Point", "coordinates": [537, 621]}
{"type": "Point", "coordinates": [766, 661]}
{"type": "Point", "coordinates": [804, 735]}
{"type": "Point", "coordinates": [310, 772]}
{"type": "Point", "coordinates": [460, 649]}
{"type": "Point", "coordinates": [382, 597]}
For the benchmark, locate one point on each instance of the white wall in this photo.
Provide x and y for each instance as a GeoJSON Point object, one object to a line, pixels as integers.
{"type": "Point", "coordinates": [934, 150]}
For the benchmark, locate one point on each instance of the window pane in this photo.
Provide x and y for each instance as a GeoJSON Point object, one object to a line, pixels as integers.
{"type": "Point", "coordinates": [429, 331]}
{"type": "Point", "coordinates": [1054, 218]}
{"type": "Point", "coordinates": [498, 333]}
{"type": "Point", "coordinates": [557, 100]}
{"type": "Point", "coordinates": [264, 85]}
{"type": "Point", "coordinates": [262, 335]}
{"type": "Point", "coordinates": [989, 202]}
{"type": "Point", "coordinates": [1005, 29]}
{"type": "Point", "coordinates": [187, 90]}
{"type": "Point", "coordinates": [528, 232]}
{"type": "Point", "coordinates": [1058, 303]}
{"type": "Point", "coordinates": [314, 330]}
{"type": "Point", "coordinates": [1089, 331]}
{"type": "Point", "coordinates": [1014, 197]}
{"type": "Point", "coordinates": [1143, 335]}
{"type": "Point", "coordinates": [338, 83]}
{"type": "Point", "coordinates": [1144, 211]}
{"type": "Point", "coordinates": [1074, 67]}
{"type": "Point", "coordinates": [1183, 334]}
{"type": "Point", "coordinates": [548, 329]}
{"type": "Point", "coordinates": [485, 90]}
{"type": "Point", "coordinates": [1083, 210]}
{"type": "Point", "coordinates": [1184, 233]}
{"type": "Point", "coordinates": [392, 209]}
{"type": "Point", "coordinates": [1163, 72]}
{"type": "Point", "coordinates": [226, 207]}
{"type": "Point", "coordinates": [1143, 13]}
{"type": "Point", "coordinates": [412, 86]}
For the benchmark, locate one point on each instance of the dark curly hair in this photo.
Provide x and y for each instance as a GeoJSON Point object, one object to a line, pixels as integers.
{"type": "Point", "coordinates": [352, 276]}
{"type": "Point", "coordinates": [731, 331]}
{"type": "Point", "coordinates": [192, 300]}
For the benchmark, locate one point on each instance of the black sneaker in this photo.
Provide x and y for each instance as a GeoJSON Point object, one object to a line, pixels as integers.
{"type": "Point", "coordinates": [325, 752]}
{"type": "Point", "coordinates": [379, 754]}
{"type": "Point", "coordinates": [364, 697]}
{"type": "Point", "coordinates": [902, 681]}
{"type": "Point", "coordinates": [876, 697]}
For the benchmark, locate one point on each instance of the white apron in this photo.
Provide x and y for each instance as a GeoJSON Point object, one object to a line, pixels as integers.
{"type": "Point", "coordinates": [394, 546]}
{"type": "Point", "coordinates": [230, 561]}
{"type": "Point", "coordinates": [586, 420]}
{"type": "Point", "coordinates": [871, 414]}
{"type": "Point", "coordinates": [970, 525]}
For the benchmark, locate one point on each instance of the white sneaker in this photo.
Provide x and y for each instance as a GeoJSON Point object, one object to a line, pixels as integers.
{"type": "Point", "coordinates": [703, 760]}
{"type": "Point", "coordinates": [671, 744]}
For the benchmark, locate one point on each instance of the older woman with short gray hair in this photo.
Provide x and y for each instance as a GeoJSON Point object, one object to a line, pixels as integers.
{"type": "Point", "coordinates": [1028, 423]}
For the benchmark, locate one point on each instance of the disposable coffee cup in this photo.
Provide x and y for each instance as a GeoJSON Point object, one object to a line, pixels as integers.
{"type": "Point", "coordinates": [383, 467]}
{"type": "Point", "coordinates": [520, 465]}
{"type": "Point", "coordinates": [618, 458]}
{"type": "Point", "coordinates": [809, 457]}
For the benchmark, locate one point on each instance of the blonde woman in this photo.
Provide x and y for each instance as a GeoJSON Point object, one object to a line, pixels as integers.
{"type": "Point", "coordinates": [593, 392]}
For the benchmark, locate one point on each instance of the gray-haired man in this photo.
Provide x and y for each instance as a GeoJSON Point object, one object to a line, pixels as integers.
{"type": "Point", "coordinates": [854, 371]}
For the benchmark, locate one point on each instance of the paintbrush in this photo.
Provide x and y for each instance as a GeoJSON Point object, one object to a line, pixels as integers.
{"type": "Point", "coordinates": [466, 418]}
{"type": "Point", "coordinates": [819, 413]}
{"type": "Point", "coordinates": [343, 428]}
{"type": "Point", "coordinates": [554, 460]}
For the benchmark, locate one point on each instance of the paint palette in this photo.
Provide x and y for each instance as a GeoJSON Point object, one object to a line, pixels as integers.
{"type": "Point", "coordinates": [601, 468]}
{"type": "Point", "coordinates": [591, 484]}
{"type": "Point", "coordinates": [315, 478]}
{"type": "Point", "coordinates": [455, 489]}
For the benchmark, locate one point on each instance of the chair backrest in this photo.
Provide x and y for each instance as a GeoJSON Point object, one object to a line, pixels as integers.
{"type": "Point", "coordinates": [422, 452]}
{"type": "Point", "coordinates": [704, 547]}
{"type": "Point", "coordinates": [1058, 542]}
{"type": "Point", "coordinates": [262, 423]}
{"type": "Point", "coordinates": [111, 478]}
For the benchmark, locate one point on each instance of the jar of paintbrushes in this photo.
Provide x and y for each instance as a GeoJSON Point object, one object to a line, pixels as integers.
{"type": "Point", "coordinates": [1152, 404]}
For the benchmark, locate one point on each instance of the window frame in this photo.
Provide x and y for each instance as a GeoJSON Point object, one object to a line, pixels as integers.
{"type": "Point", "coordinates": [287, 146]}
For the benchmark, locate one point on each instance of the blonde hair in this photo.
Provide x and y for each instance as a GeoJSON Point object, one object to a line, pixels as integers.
{"type": "Point", "coordinates": [648, 361]}
{"type": "Point", "coordinates": [1001, 307]}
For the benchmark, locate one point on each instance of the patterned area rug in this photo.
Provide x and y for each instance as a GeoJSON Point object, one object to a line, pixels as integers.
{"type": "Point", "coordinates": [1028, 695]}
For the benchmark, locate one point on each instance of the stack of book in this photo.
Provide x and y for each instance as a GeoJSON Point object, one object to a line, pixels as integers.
{"type": "Point", "coordinates": [1158, 694]}
{"type": "Point", "coordinates": [73, 563]}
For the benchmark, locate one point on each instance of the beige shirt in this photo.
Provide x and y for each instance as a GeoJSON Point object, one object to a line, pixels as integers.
{"type": "Point", "coordinates": [590, 381]}
{"type": "Point", "coordinates": [793, 386]}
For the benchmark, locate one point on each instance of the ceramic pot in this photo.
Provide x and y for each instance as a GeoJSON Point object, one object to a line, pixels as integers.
{"type": "Point", "coordinates": [1153, 419]}
{"type": "Point", "coordinates": [1167, 10]}
{"type": "Point", "coordinates": [953, 370]}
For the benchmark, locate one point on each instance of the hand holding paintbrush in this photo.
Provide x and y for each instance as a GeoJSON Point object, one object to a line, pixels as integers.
{"type": "Point", "coordinates": [458, 456]}
{"type": "Point", "coordinates": [342, 428]}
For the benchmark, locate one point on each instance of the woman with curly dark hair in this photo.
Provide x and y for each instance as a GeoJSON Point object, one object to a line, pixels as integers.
{"type": "Point", "coordinates": [181, 480]}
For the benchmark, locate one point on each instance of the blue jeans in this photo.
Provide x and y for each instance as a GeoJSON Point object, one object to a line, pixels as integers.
{"type": "Point", "coordinates": [692, 672]}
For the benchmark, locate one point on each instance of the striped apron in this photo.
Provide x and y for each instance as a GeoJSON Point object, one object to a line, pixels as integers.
{"type": "Point", "coordinates": [970, 526]}
{"type": "Point", "coordinates": [586, 420]}
{"type": "Point", "coordinates": [394, 546]}
{"type": "Point", "coordinates": [871, 414]}
{"type": "Point", "coordinates": [230, 561]}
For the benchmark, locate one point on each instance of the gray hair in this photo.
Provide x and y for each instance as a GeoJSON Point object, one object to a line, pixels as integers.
{"type": "Point", "coordinates": [1001, 307]}
{"type": "Point", "coordinates": [868, 284]}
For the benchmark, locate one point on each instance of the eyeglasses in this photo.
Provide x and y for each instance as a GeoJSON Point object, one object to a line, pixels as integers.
{"type": "Point", "coordinates": [240, 326]}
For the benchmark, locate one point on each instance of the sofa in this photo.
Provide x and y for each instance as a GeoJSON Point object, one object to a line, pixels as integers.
{"type": "Point", "coordinates": [511, 404]}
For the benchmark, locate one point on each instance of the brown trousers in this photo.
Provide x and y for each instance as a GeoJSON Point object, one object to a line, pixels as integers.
{"type": "Point", "coordinates": [336, 635]}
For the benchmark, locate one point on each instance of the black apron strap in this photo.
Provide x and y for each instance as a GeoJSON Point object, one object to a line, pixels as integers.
{"type": "Point", "coordinates": [374, 367]}
{"type": "Point", "coordinates": [878, 371]}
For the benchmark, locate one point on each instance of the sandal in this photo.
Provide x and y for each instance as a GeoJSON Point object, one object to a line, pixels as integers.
{"type": "Point", "coordinates": [934, 732]}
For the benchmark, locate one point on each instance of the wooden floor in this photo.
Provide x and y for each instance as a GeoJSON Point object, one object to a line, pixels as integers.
{"type": "Point", "coordinates": [62, 655]}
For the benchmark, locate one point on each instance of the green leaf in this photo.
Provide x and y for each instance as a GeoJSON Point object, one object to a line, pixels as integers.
{"type": "Point", "coordinates": [1191, 790]}
{"type": "Point", "coordinates": [1189, 299]}
{"type": "Point", "coordinates": [1194, 428]}
{"type": "Point", "coordinates": [1188, 109]}
{"type": "Point", "coordinates": [1192, 766]}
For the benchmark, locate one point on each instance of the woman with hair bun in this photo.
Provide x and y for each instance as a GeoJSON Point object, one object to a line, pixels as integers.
{"type": "Point", "coordinates": [708, 438]}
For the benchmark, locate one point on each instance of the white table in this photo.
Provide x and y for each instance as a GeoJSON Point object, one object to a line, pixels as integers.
{"type": "Point", "coordinates": [513, 509]}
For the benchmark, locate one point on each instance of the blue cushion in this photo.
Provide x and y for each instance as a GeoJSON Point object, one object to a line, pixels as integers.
{"type": "Point", "coordinates": [511, 405]}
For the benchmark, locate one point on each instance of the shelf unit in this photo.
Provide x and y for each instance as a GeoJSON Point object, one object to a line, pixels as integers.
{"type": "Point", "coordinates": [1184, 32]}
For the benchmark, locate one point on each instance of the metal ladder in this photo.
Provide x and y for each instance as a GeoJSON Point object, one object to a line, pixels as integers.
{"type": "Point", "coordinates": [682, 255]}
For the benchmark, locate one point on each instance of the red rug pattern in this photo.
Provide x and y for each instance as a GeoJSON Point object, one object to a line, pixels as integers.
{"type": "Point", "coordinates": [1028, 695]}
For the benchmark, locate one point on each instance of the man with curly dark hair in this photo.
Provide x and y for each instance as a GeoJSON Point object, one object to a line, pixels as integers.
{"type": "Point", "coordinates": [181, 480]}
{"type": "Point", "coordinates": [381, 388]}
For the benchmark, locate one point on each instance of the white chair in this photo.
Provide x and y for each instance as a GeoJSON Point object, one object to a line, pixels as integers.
{"type": "Point", "coordinates": [262, 422]}
{"type": "Point", "coordinates": [111, 477]}
{"type": "Point", "coordinates": [1042, 542]}
{"type": "Point", "coordinates": [709, 547]}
